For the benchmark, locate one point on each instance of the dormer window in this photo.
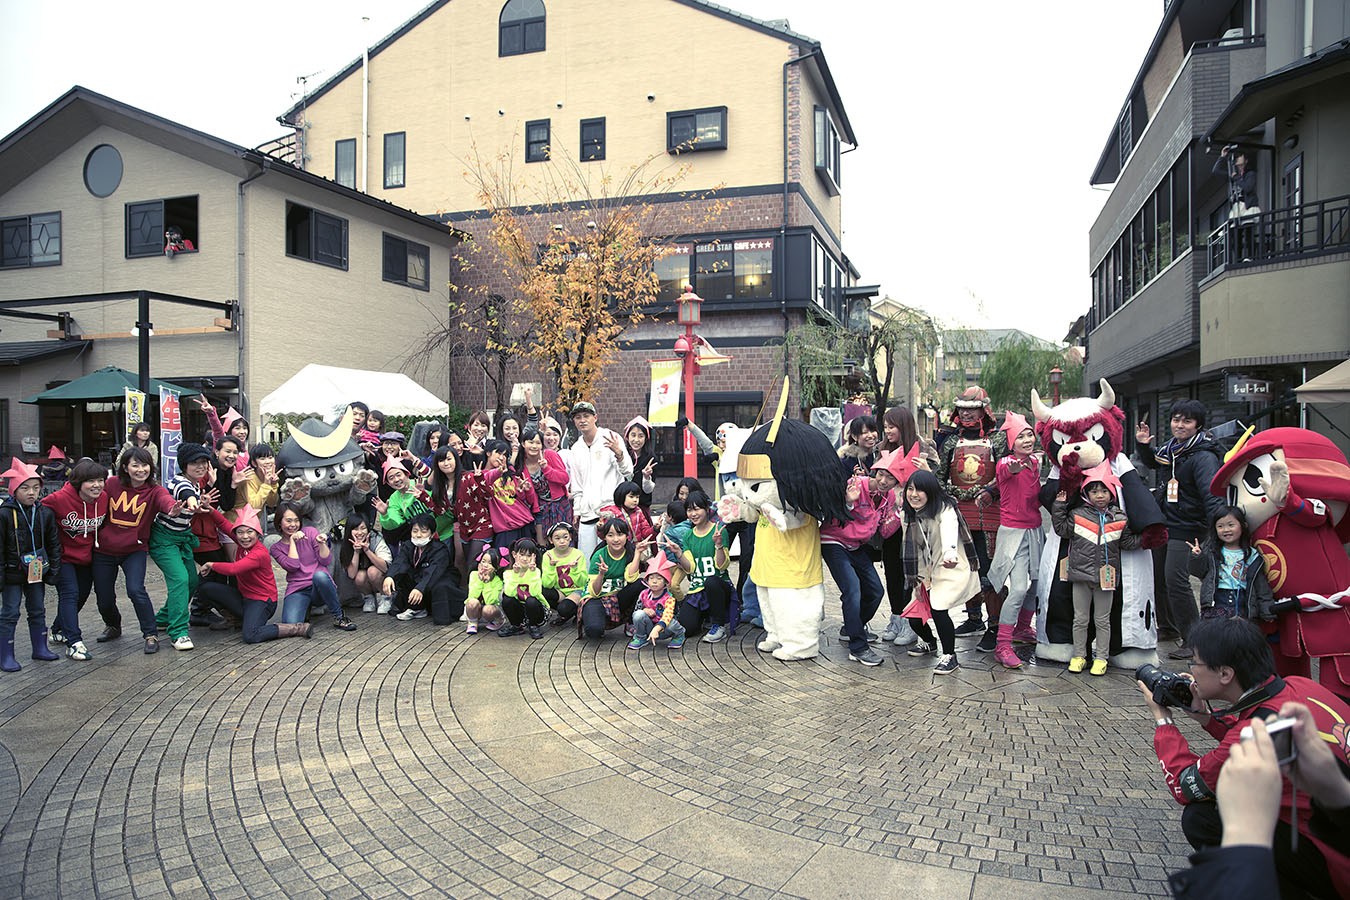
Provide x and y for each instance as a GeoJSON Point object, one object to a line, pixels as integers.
{"type": "Point", "coordinates": [521, 28]}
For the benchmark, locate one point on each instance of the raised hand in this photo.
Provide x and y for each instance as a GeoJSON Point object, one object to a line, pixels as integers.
{"type": "Point", "coordinates": [615, 445]}
{"type": "Point", "coordinates": [239, 476]}
{"type": "Point", "coordinates": [380, 506]}
{"type": "Point", "coordinates": [175, 509]}
{"type": "Point", "coordinates": [1142, 433]}
{"type": "Point", "coordinates": [1195, 547]}
{"type": "Point", "coordinates": [210, 497]}
{"type": "Point", "coordinates": [717, 537]}
{"type": "Point", "coordinates": [1277, 486]}
{"type": "Point", "coordinates": [649, 468]}
{"type": "Point", "coordinates": [853, 493]}
{"type": "Point", "coordinates": [201, 402]}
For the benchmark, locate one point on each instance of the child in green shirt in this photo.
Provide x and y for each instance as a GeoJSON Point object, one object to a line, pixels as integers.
{"type": "Point", "coordinates": [614, 584]}
{"type": "Point", "coordinates": [523, 591]}
{"type": "Point", "coordinates": [485, 592]}
{"type": "Point", "coordinates": [564, 573]}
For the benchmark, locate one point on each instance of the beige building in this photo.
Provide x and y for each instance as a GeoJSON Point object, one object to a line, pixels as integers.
{"type": "Point", "coordinates": [586, 89]}
{"type": "Point", "coordinates": [284, 268]}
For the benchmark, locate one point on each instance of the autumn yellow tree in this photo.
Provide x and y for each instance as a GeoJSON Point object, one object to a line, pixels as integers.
{"type": "Point", "coordinates": [573, 252]}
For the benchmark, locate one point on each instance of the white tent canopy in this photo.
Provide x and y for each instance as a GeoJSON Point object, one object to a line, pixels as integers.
{"type": "Point", "coordinates": [325, 391]}
{"type": "Point", "coordinates": [1332, 386]}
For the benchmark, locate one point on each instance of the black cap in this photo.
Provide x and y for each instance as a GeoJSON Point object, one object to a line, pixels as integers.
{"type": "Point", "coordinates": [190, 452]}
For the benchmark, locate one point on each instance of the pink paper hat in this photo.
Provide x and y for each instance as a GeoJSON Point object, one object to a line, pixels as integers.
{"type": "Point", "coordinates": [1013, 425]}
{"type": "Point", "coordinates": [231, 416]}
{"type": "Point", "coordinates": [248, 518]}
{"type": "Point", "coordinates": [391, 465]}
{"type": "Point", "coordinates": [56, 453]}
{"type": "Point", "coordinates": [19, 472]}
{"type": "Point", "coordinates": [659, 564]}
{"type": "Point", "coordinates": [901, 465]}
{"type": "Point", "coordinates": [1102, 472]}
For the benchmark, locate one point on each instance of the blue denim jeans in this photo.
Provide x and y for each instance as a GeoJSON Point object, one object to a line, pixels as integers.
{"type": "Point", "coordinates": [105, 589]}
{"type": "Point", "coordinates": [643, 622]}
{"type": "Point", "coordinates": [12, 596]}
{"type": "Point", "coordinates": [295, 608]}
{"type": "Point", "coordinates": [749, 601]}
{"type": "Point", "coordinates": [860, 590]}
{"type": "Point", "coordinates": [73, 584]}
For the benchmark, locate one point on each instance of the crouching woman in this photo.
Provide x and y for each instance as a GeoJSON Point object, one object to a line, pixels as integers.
{"type": "Point", "coordinates": [254, 599]}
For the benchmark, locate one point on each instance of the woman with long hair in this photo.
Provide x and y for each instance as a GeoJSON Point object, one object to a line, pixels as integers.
{"type": "Point", "coordinates": [900, 433]}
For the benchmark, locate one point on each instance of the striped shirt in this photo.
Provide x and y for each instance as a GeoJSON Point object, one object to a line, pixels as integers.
{"type": "Point", "coordinates": [181, 488]}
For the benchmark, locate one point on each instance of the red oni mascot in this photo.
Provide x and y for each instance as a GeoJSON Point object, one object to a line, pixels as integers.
{"type": "Point", "coordinates": [1077, 435]}
{"type": "Point", "coordinates": [1294, 486]}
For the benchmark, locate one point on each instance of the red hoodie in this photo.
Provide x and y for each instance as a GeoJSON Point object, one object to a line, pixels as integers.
{"type": "Point", "coordinates": [253, 571]}
{"type": "Point", "coordinates": [78, 522]}
{"type": "Point", "coordinates": [130, 513]}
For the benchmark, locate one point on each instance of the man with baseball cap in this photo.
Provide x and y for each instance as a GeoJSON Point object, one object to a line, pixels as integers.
{"type": "Point", "coordinates": [598, 463]}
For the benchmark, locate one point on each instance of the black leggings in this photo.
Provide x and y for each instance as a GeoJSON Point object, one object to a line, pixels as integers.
{"type": "Point", "coordinates": [445, 600]}
{"type": "Point", "coordinates": [253, 613]}
{"type": "Point", "coordinates": [517, 612]}
{"type": "Point", "coordinates": [563, 606]}
{"type": "Point", "coordinates": [945, 629]}
{"type": "Point", "coordinates": [593, 618]}
{"type": "Point", "coordinates": [897, 592]}
{"type": "Point", "coordinates": [718, 593]}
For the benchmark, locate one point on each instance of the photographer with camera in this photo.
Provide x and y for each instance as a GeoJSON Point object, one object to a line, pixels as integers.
{"type": "Point", "coordinates": [1233, 668]}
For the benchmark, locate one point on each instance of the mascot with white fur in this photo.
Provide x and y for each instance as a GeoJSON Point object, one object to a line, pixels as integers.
{"type": "Point", "coordinates": [326, 481]}
{"type": "Point", "coordinates": [1294, 487]}
{"type": "Point", "coordinates": [1077, 435]}
{"type": "Point", "coordinates": [788, 482]}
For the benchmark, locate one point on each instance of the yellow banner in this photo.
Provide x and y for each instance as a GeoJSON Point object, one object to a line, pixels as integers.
{"type": "Point", "coordinates": [134, 406]}
{"type": "Point", "coordinates": [664, 406]}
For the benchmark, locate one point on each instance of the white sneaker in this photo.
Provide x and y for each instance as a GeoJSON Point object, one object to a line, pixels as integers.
{"type": "Point", "coordinates": [384, 605]}
{"type": "Point", "coordinates": [905, 636]}
{"type": "Point", "coordinates": [369, 605]}
{"type": "Point", "coordinates": [892, 628]}
{"type": "Point", "coordinates": [409, 614]}
{"type": "Point", "coordinates": [78, 650]}
{"type": "Point", "coordinates": [183, 643]}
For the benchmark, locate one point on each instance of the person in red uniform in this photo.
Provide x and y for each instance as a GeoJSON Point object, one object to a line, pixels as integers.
{"type": "Point", "coordinates": [1294, 486]}
{"type": "Point", "coordinates": [969, 454]}
{"type": "Point", "coordinates": [1233, 668]}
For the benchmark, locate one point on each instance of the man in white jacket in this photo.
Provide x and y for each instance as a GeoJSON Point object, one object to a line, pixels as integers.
{"type": "Point", "coordinates": [598, 463]}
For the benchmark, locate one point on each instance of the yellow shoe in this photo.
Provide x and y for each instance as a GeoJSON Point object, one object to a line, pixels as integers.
{"type": "Point", "coordinates": [1098, 667]}
{"type": "Point", "coordinates": [1077, 664]}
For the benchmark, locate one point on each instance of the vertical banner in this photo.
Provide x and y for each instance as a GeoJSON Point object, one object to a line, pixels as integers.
{"type": "Point", "coordinates": [134, 407]}
{"type": "Point", "coordinates": [170, 434]}
{"type": "Point", "coordinates": [664, 406]}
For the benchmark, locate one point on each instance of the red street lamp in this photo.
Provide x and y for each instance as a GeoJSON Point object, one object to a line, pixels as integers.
{"type": "Point", "coordinates": [1056, 376]}
{"type": "Point", "coordinates": [685, 345]}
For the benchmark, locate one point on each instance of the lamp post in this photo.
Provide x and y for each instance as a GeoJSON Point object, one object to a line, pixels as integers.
{"type": "Point", "coordinates": [1056, 376]}
{"type": "Point", "coordinates": [689, 316]}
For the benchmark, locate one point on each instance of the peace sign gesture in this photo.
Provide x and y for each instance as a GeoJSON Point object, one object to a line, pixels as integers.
{"type": "Point", "coordinates": [1195, 547]}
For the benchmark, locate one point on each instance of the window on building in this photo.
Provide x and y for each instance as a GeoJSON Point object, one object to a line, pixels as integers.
{"type": "Point", "coordinates": [827, 150]}
{"type": "Point", "coordinates": [1181, 207]}
{"type": "Point", "coordinates": [733, 270]}
{"type": "Point", "coordinates": [406, 262]}
{"type": "Point", "coordinates": [592, 139]}
{"type": "Point", "coordinates": [345, 163]}
{"type": "Point", "coordinates": [1293, 199]}
{"type": "Point", "coordinates": [316, 236]}
{"type": "Point", "coordinates": [536, 140]}
{"type": "Point", "coordinates": [1125, 132]}
{"type": "Point", "coordinates": [521, 28]}
{"type": "Point", "coordinates": [395, 170]}
{"type": "Point", "coordinates": [672, 273]}
{"type": "Point", "coordinates": [696, 129]}
{"type": "Point", "coordinates": [30, 241]}
{"type": "Point", "coordinates": [149, 221]}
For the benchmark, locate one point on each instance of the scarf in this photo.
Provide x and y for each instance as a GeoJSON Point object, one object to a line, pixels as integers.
{"type": "Point", "coordinates": [1167, 454]}
{"type": "Point", "coordinates": [916, 541]}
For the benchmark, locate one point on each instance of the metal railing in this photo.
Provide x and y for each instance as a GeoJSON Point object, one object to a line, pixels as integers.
{"type": "Point", "coordinates": [1313, 228]}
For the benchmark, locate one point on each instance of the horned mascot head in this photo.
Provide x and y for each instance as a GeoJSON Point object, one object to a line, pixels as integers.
{"type": "Point", "coordinates": [1083, 432]}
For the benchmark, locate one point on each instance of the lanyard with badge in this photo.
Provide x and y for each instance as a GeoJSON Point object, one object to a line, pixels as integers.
{"type": "Point", "coordinates": [1106, 576]}
{"type": "Point", "coordinates": [36, 559]}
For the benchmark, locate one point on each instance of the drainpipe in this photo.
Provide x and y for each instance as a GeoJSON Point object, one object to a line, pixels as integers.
{"type": "Point", "coordinates": [1308, 27]}
{"type": "Point", "coordinates": [365, 106]}
{"type": "Point", "coordinates": [239, 289]}
{"type": "Point", "coordinates": [781, 255]}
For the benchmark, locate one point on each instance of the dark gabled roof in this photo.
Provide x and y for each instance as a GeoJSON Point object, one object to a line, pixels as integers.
{"type": "Point", "coordinates": [776, 28]}
{"type": "Point", "coordinates": [1260, 99]}
{"type": "Point", "coordinates": [16, 353]}
{"type": "Point", "coordinates": [105, 110]}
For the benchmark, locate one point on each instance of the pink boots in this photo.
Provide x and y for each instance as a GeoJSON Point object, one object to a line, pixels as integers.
{"type": "Point", "coordinates": [1003, 651]}
{"type": "Point", "coordinates": [1025, 632]}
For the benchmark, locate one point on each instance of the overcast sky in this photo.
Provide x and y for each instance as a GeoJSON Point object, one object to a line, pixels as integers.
{"type": "Point", "coordinates": [978, 122]}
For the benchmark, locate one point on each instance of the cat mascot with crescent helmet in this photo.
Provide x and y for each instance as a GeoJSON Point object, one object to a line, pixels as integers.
{"type": "Point", "coordinates": [326, 482]}
{"type": "Point", "coordinates": [1077, 435]}
{"type": "Point", "coordinates": [1294, 487]}
{"type": "Point", "coordinates": [788, 483]}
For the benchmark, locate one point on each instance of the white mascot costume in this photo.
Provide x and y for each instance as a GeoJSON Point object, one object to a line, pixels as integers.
{"type": "Point", "coordinates": [788, 482]}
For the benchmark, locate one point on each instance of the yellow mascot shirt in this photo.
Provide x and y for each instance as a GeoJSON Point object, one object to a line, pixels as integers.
{"type": "Point", "coordinates": [787, 560]}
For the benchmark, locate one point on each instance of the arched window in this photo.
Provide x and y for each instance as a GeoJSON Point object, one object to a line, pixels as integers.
{"type": "Point", "coordinates": [521, 28]}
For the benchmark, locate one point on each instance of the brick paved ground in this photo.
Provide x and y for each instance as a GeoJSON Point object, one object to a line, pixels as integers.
{"type": "Point", "coordinates": [405, 760]}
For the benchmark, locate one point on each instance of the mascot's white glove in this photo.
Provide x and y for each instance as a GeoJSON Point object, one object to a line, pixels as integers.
{"type": "Point", "coordinates": [1277, 487]}
{"type": "Point", "coordinates": [776, 516]}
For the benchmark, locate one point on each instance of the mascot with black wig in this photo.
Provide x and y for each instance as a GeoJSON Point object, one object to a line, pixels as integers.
{"type": "Point", "coordinates": [788, 482]}
{"type": "Point", "coordinates": [1077, 435]}
{"type": "Point", "coordinates": [325, 479]}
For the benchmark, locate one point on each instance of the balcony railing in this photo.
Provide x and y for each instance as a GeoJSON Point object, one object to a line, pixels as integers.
{"type": "Point", "coordinates": [1308, 230]}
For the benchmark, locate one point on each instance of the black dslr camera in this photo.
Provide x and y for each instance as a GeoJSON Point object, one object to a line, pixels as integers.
{"type": "Point", "coordinates": [1169, 688]}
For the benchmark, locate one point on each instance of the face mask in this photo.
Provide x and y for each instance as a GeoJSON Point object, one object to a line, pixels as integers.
{"type": "Point", "coordinates": [420, 542]}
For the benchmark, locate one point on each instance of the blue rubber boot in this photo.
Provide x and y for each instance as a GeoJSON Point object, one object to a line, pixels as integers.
{"type": "Point", "coordinates": [40, 649]}
{"type": "Point", "coordinates": [7, 661]}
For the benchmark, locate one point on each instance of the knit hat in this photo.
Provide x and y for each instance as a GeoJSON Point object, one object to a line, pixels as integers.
{"type": "Point", "coordinates": [190, 452]}
{"type": "Point", "coordinates": [659, 564]}
{"type": "Point", "coordinates": [18, 473]}
{"type": "Point", "coordinates": [550, 422]}
{"type": "Point", "coordinates": [248, 518]}
{"type": "Point", "coordinates": [392, 465]}
{"type": "Point", "coordinates": [1102, 473]}
{"type": "Point", "coordinates": [1013, 425]}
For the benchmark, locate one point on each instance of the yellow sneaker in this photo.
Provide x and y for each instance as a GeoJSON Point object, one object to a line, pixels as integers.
{"type": "Point", "coordinates": [1077, 664]}
{"type": "Point", "coordinates": [1098, 667]}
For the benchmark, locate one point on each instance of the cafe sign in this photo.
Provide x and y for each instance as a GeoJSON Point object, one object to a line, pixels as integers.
{"type": "Point", "coordinates": [1249, 389]}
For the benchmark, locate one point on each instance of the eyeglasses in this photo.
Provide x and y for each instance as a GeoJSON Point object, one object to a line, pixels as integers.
{"type": "Point", "coordinates": [1193, 663]}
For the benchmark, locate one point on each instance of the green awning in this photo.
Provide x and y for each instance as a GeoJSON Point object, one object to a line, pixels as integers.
{"type": "Point", "coordinates": [108, 384]}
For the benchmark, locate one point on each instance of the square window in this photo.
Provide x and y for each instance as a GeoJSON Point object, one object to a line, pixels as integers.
{"type": "Point", "coordinates": [827, 150]}
{"type": "Point", "coordinates": [592, 139]}
{"type": "Point", "coordinates": [395, 170]}
{"type": "Point", "coordinates": [406, 262]}
{"type": "Point", "coordinates": [536, 140]}
{"type": "Point", "coordinates": [696, 129]}
{"type": "Point", "coordinates": [149, 223]}
{"type": "Point", "coordinates": [672, 273]}
{"type": "Point", "coordinates": [30, 241]}
{"type": "Point", "coordinates": [316, 236]}
{"type": "Point", "coordinates": [345, 163]}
